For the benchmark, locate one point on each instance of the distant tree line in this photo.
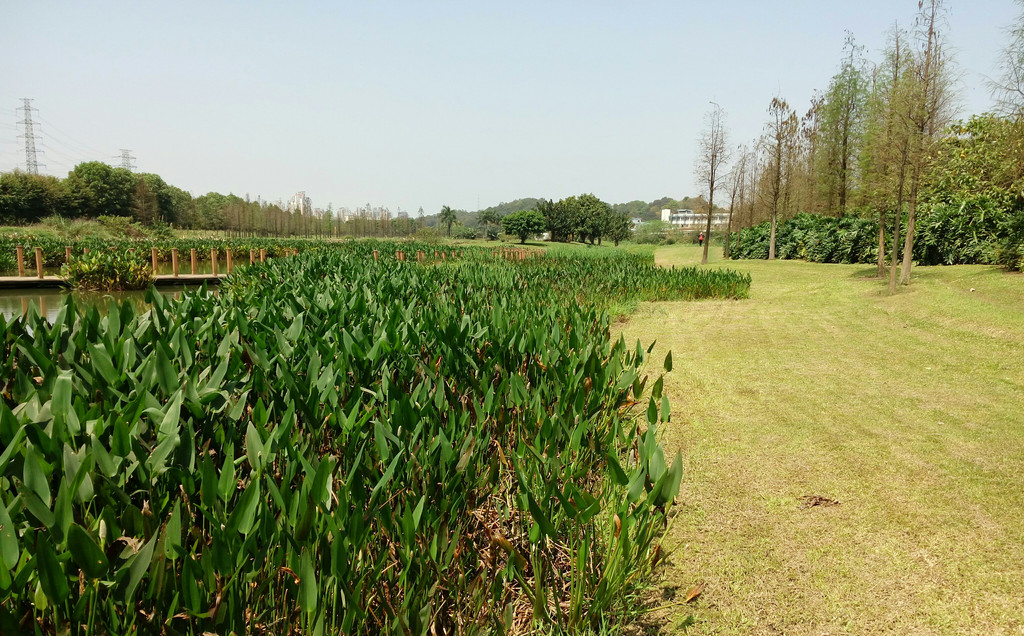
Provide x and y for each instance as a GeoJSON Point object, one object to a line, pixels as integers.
{"type": "Point", "coordinates": [95, 189]}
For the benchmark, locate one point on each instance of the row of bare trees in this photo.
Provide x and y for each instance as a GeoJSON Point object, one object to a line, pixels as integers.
{"type": "Point", "coordinates": [863, 145]}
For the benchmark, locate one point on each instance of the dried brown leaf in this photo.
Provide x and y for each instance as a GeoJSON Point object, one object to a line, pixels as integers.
{"type": "Point", "coordinates": [694, 592]}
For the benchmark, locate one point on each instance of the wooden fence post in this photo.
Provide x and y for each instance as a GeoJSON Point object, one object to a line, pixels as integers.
{"type": "Point", "coordinates": [67, 254]}
{"type": "Point", "coordinates": [156, 265]}
{"type": "Point", "coordinates": [39, 261]}
{"type": "Point", "coordinates": [376, 256]}
{"type": "Point", "coordinates": [419, 256]}
{"type": "Point", "coordinates": [213, 260]}
{"type": "Point", "coordinates": [252, 257]}
{"type": "Point", "coordinates": [263, 255]}
{"type": "Point", "coordinates": [21, 261]}
{"type": "Point", "coordinates": [174, 261]}
{"type": "Point", "coordinates": [227, 250]}
{"type": "Point", "coordinates": [192, 253]}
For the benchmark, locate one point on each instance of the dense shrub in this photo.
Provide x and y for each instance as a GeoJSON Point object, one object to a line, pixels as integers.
{"type": "Point", "coordinates": [964, 233]}
{"type": "Point", "coordinates": [464, 232]}
{"type": "Point", "coordinates": [108, 271]}
{"type": "Point", "coordinates": [1010, 252]}
{"type": "Point", "coordinates": [821, 239]}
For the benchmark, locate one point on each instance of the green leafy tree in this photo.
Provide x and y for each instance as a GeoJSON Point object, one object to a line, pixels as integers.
{"type": "Point", "coordinates": [26, 198]}
{"type": "Point", "coordinates": [448, 217]}
{"type": "Point", "coordinates": [488, 220]}
{"type": "Point", "coordinates": [927, 110]}
{"type": "Point", "coordinates": [180, 208]}
{"type": "Point", "coordinates": [524, 224]}
{"type": "Point", "coordinates": [209, 211]}
{"type": "Point", "coordinates": [620, 227]}
{"type": "Point", "coordinates": [561, 217]}
{"type": "Point", "coordinates": [96, 188]}
{"type": "Point", "coordinates": [593, 217]}
{"type": "Point", "coordinates": [145, 205]}
{"type": "Point", "coordinates": [842, 114]}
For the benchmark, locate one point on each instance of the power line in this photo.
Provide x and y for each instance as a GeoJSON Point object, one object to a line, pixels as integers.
{"type": "Point", "coordinates": [70, 141]}
{"type": "Point", "coordinates": [31, 163]}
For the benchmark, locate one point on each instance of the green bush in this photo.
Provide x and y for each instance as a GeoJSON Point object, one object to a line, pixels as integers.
{"type": "Point", "coordinates": [464, 232]}
{"type": "Point", "coordinates": [108, 271]}
{"type": "Point", "coordinates": [966, 233]}
{"type": "Point", "coordinates": [821, 239]}
{"type": "Point", "coordinates": [650, 233]}
{"type": "Point", "coordinates": [1010, 252]}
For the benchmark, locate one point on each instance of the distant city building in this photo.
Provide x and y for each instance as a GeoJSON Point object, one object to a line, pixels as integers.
{"type": "Point", "coordinates": [300, 203]}
{"type": "Point", "coordinates": [690, 220]}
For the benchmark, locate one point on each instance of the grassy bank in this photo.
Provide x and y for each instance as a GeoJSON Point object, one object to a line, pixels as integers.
{"type": "Point", "coordinates": [905, 409]}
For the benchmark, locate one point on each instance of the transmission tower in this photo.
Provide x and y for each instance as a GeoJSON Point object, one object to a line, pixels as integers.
{"type": "Point", "coordinates": [127, 160]}
{"type": "Point", "coordinates": [31, 163]}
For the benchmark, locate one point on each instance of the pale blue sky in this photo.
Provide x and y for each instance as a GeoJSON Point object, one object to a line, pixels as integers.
{"type": "Point", "coordinates": [402, 103]}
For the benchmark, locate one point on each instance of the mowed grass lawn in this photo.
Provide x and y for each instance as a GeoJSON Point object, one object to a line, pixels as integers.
{"type": "Point", "coordinates": [908, 410]}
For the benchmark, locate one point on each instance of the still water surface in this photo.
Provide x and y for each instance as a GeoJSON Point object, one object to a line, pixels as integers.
{"type": "Point", "coordinates": [15, 302]}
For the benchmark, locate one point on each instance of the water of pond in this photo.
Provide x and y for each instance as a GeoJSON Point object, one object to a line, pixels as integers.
{"type": "Point", "coordinates": [15, 302]}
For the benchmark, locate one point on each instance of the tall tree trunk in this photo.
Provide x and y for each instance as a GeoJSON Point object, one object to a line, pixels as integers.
{"type": "Point", "coordinates": [728, 235]}
{"type": "Point", "coordinates": [908, 243]}
{"type": "Point", "coordinates": [897, 222]}
{"type": "Point", "coordinates": [895, 252]}
{"type": "Point", "coordinates": [881, 243]}
{"type": "Point", "coordinates": [707, 235]}
{"type": "Point", "coordinates": [771, 245]}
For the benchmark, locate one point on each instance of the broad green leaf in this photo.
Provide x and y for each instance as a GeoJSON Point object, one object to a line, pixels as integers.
{"type": "Point", "coordinates": [307, 584]}
{"type": "Point", "coordinates": [60, 405]}
{"type": "Point", "coordinates": [172, 534]}
{"type": "Point", "coordinates": [254, 448]}
{"type": "Point", "coordinates": [51, 575]}
{"type": "Point", "coordinates": [9, 551]}
{"type": "Point", "coordinates": [139, 565]}
{"type": "Point", "coordinates": [85, 552]}
{"type": "Point", "coordinates": [539, 516]}
{"type": "Point", "coordinates": [35, 478]}
{"type": "Point", "coordinates": [244, 514]}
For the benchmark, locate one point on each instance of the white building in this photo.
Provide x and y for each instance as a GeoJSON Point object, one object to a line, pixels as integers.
{"type": "Point", "coordinates": [300, 203]}
{"type": "Point", "coordinates": [690, 220]}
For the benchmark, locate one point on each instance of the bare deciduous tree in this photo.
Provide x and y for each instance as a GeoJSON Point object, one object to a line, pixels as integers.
{"type": "Point", "coordinates": [1009, 89]}
{"type": "Point", "coordinates": [737, 181]}
{"type": "Point", "coordinates": [780, 133]}
{"type": "Point", "coordinates": [712, 155]}
{"type": "Point", "coordinates": [928, 111]}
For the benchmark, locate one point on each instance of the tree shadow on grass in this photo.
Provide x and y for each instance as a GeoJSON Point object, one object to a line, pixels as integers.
{"type": "Point", "coordinates": [866, 273]}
